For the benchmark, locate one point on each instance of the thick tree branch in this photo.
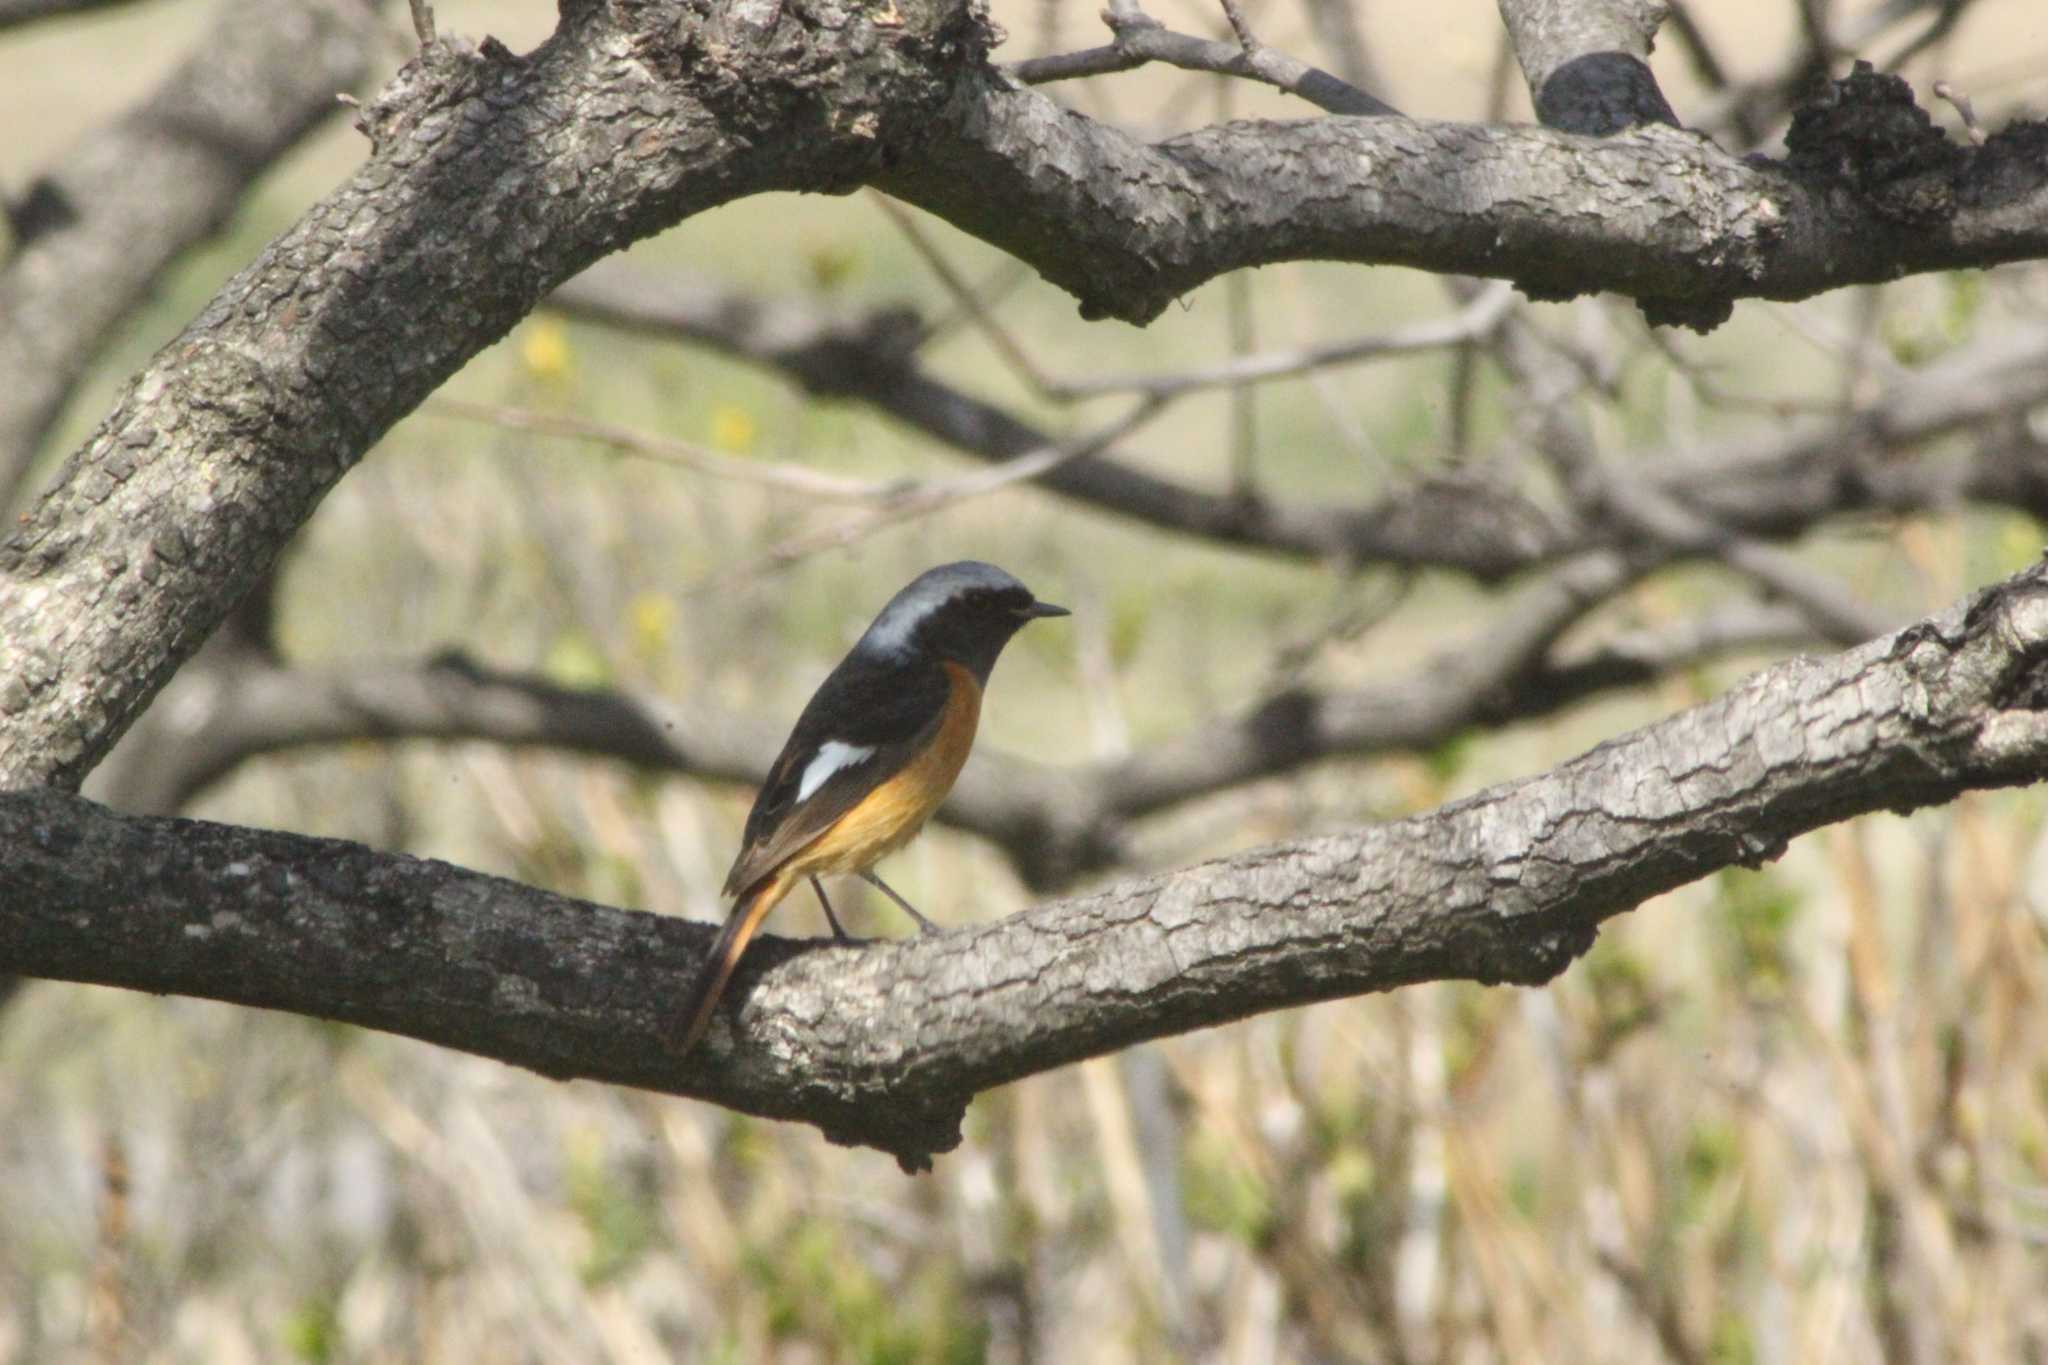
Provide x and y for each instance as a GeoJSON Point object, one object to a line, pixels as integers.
{"type": "Point", "coordinates": [1653, 213]}
{"type": "Point", "coordinates": [884, 1044]}
{"type": "Point", "coordinates": [493, 179]}
{"type": "Point", "coordinates": [97, 230]}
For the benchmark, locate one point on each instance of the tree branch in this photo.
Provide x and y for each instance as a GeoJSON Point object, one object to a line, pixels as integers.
{"type": "Point", "coordinates": [1054, 825]}
{"type": "Point", "coordinates": [1652, 213]}
{"type": "Point", "coordinates": [1780, 482]}
{"type": "Point", "coordinates": [1587, 62]}
{"type": "Point", "coordinates": [1462, 521]}
{"type": "Point", "coordinates": [223, 445]}
{"type": "Point", "coordinates": [884, 1044]}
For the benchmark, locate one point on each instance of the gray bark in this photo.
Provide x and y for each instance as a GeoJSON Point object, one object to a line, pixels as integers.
{"type": "Point", "coordinates": [1654, 213]}
{"type": "Point", "coordinates": [884, 1044]}
{"type": "Point", "coordinates": [1587, 62]}
{"type": "Point", "coordinates": [493, 179]}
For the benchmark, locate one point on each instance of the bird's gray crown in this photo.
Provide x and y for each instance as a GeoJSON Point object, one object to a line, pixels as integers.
{"type": "Point", "coordinates": [895, 629]}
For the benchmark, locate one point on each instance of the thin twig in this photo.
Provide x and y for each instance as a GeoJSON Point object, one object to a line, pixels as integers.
{"type": "Point", "coordinates": [423, 22]}
{"type": "Point", "coordinates": [963, 293]}
{"type": "Point", "coordinates": [1140, 40]}
{"type": "Point", "coordinates": [668, 450]}
{"type": "Point", "coordinates": [1964, 109]}
{"type": "Point", "coordinates": [1551, 383]}
{"type": "Point", "coordinates": [1235, 15]}
{"type": "Point", "coordinates": [1475, 320]}
{"type": "Point", "coordinates": [917, 500]}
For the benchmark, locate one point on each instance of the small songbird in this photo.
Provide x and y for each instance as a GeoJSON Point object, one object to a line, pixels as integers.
{"type": "Point", "coordinates": [871, 757]}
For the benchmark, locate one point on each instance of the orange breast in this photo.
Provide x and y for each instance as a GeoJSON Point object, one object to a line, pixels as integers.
{"type": "Point", "coordinates": [891, 815]}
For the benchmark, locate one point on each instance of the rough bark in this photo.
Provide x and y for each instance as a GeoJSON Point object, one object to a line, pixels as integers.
{"type": "Point", "coordinates": [492, 179]}
{"type": "Point", "coordinates": [884, 1044]}
{"type": "Point", "coordinates": [1654, 213]}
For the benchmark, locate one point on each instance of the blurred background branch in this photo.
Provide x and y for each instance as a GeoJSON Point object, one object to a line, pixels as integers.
{"type": "Point", "coordinates": [94, 233]}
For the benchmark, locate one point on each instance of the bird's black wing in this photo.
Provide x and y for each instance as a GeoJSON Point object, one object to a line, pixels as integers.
{"type": "Point", "coordinates": [864, 723]}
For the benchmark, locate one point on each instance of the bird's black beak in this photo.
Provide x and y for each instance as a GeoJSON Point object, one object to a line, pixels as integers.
{"type": "Point", "coordinates": [1038, 609]}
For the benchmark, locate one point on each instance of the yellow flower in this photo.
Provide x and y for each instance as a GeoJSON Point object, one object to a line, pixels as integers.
{"type": "Point", "coordinates": [651, 618]}
{"type": "Point", "coordinates": [733, 428]}
{"type": "Point", "coordinates": [544, 349]}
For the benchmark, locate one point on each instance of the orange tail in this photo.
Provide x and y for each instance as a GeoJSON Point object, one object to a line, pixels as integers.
{"type": "Point", "coordinates": [689, 1022]}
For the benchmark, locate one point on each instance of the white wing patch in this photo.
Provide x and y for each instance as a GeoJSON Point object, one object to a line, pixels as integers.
{"type": "Point", "coordinates": [831, 757]}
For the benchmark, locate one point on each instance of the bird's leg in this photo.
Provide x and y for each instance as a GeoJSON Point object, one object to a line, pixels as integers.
{"type": "Point", "coordinates": [838, 930]}
{"type": "Point", "coordinates": [924, 925]}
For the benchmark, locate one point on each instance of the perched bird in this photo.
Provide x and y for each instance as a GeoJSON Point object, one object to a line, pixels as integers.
{"type": "Point", "coordinates": [872, 756]}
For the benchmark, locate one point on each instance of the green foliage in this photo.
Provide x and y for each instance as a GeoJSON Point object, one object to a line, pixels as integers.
{"type": "Point", "coordinates": [1223, 1195]}
{"type": "Point", "coordinates": [575, 659]}
{"type": "Point", "coordinates": [313, 1331]}
{"type": "Point", "coordinates": [816, 1287]}
{"type": "Point", "coordinates": [1713, 1153]}
{"type": "Point", "coordinates": [1624, 995]}
{"type": "Point", "coordinates": [1447, 760]}
{"type": "Point", "coordinates": [617, 1212]}
{"type": "Point", "coordinates": [1760, 909]}
{"type": "Point", "coordinates": [1733, 1342]}
{"type": "Point", "coordinates": [1919, 334]}
{"type": "Point", "coordinates": [1470, 1027]}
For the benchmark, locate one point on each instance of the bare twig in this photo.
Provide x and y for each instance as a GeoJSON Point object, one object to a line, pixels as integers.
{"type": "Point", "coordinates": [1566, 441]}
{"type": "Point", "coordinates": [1964, 110]}
{"type": "Point", "coordinates": [963, 293]}
{"type": "Point", "coordinates": [423, 22]}
{"type": "Point", "coordinates": [668, 450]}
{"type": "Point", "coordinates": [1779, 481]}
{"type": "Point", "coordinates": [1140, 39]}
{"type": "Point", "coordinates": [1235, 14]}
{"type": "Point", "coordinates": [920, 500]}
{"type": "Point", "coordinates": [1474, 320]}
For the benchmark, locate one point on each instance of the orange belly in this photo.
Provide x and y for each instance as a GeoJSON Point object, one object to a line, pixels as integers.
{"type": "Point", "coordinates": [891, 815]}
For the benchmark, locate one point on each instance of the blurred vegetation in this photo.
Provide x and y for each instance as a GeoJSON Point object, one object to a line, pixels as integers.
{"type": "Point", "coordinates": [1799, 1114]}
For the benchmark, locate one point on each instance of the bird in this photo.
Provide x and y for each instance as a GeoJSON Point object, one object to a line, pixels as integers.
{"type": "Point", "coordinates": [870, 758]}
